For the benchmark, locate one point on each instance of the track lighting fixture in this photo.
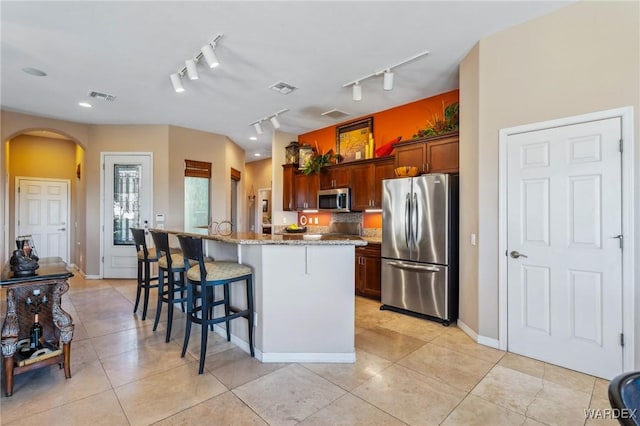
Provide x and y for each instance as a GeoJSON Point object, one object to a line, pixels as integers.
{"type": "Point", "coordinates": [176, 80]}
{"type": "Point", "coordinates": [357, 92]}
{"type": "Point", "coordinates": [210, 55]}
{"type": "Point", "coordinates": [387, 73]}
{"type": "Point", "coordinates": [190, 68]}
{"type": "Point", "coordinates": [387, 83]}
{"type": "Point", "coordinates": [273, 118]}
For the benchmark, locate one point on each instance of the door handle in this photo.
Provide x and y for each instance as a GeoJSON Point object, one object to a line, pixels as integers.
{"type": "Point", "coordinates": [516, 255]}
{"type": "Point", "coordinates": [62, 229]}
{"type": "Point", "coordinates": [410, 267]}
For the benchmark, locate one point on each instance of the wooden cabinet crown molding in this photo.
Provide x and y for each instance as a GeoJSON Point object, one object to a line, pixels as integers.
{"type": "Point", "coordinates": [359, 162]}
{"type": "Point", "coordinates": [452, 135]}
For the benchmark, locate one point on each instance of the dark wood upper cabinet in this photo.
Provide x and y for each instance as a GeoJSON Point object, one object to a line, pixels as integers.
{"type": "Point", "coordinates": [288, 190]}
{"type": "Point", "coordinates": [438, 154]}
{"type": "Point", "coordinates": [338, 176]}
{"type": "Point", "coordinates": [306, 189]}
{"type": "Point", "coordinates": [366, 183]}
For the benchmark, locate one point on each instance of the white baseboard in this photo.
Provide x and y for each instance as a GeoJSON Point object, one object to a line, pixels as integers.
{"type": "Point", "coordinates": [488, 341]}
{"type": "Point", "coordinates": [467, 330]}
{"type": "Point", "coordinates": [344, 358]}
{"type": "Point", "coordinates": [482, 340]}
{"type": "Point", "coordinates": [288, 357]}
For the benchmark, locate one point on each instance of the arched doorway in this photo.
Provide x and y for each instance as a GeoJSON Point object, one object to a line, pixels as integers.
{"type": "Point", "coordinates": [45, 193]}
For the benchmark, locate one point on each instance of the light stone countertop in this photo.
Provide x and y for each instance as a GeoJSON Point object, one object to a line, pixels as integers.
{"type": "Point", "coordinates": [245, 238]}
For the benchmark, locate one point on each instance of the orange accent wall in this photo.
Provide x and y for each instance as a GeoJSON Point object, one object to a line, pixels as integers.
{"type": "Point", "coordinates": [404, 120]}
{"type": "Point", "coordinates": [372, 220]}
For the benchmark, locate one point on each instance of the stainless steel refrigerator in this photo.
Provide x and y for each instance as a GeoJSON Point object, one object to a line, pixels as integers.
{"type": "Point", "coordinates": [420, 246]}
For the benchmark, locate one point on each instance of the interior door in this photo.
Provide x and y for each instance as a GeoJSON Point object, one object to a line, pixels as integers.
{"type": "Point", "coordinates": [564, 269]}
{"type": "Point", "coordinates": [128, 183]}
{"type": "Point", "coordinates": [43, 213]}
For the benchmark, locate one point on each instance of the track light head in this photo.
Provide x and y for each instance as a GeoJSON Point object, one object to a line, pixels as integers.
{"type": "Point", "coordinates": [258, 128]}
{"type": "Point", "coordinates": [176, 81]}
{"type": "Point", "coordinates": [357, 92]}
{"type": "Point", "coordinates": [192, 70]}
{"type": "Point", "coordinates": [275, 122]}
{"type": "Point", "coordinates": [210, 56]}
{"type": "Point", "coordinates": [388, 80]}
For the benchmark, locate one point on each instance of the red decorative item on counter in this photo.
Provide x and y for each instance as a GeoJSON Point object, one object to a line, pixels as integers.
{"type": "Point", "coordinates": [386, 149]}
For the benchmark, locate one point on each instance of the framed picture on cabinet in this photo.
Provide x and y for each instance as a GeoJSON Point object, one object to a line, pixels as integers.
{"type": "Point", "coordinates": [354, 141]}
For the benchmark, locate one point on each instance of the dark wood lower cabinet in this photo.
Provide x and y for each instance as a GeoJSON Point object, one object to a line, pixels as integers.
{"type": "Point", "coordinates": [368, 265]}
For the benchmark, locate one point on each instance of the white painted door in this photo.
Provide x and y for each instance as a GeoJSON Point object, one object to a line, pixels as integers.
{"type": "Point", "coordinates": [564, 214]}
{"type": "Point", "coordinates": [128, 183]}
{"type": "Point", "coordinates": [43, 213]}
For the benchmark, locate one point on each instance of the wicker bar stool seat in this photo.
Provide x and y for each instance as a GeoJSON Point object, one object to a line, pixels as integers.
{"type": "Point", "coordinates": [202, 279]}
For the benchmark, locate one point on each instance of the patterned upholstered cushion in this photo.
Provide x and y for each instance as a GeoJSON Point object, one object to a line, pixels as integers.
{"type": "Point", "coordinates": [152, 254]}
{"type": "Point", "coordinates": [177, 262]}
{"type": "Point", "coordinates": [219, 271]}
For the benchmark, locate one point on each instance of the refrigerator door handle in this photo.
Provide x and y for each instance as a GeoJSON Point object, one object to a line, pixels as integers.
{"type": "Point", "coordinates": [413, 267]}
{"type": "Point", "coordinates": [407, 219]}
{"type": "Point", "coordinates": [414, 228]}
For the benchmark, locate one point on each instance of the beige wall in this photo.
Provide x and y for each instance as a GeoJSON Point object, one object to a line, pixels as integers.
{"type": "Point", "coordinates": [13, 124]}
{"type": "Point", "coordinates": [189, 144]}
{"type": "Point", "coordinates": [169, 146]}
{"type": "Point", "coordinates": [258, 176]}
{"type": "Point", "coordinates": [580, 59]}
{"type": "Point", "coordinates": [79, 207]}
{"type": "Point", "coordinates": [235, 159]}
{"type": "Point", "coordinates": [121, 139]}
{"type": "Point", "coordinates": [469, 97]}
{"type": "Point", "coordinates": [46, 158]}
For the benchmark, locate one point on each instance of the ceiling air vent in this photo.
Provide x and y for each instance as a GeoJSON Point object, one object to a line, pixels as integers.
{"type": "Point", "coordinates": [336, 114]}
{"type": "Point", "coordinates": [103, 96]}
{"type": "Point", "coordinates": [282, 87]}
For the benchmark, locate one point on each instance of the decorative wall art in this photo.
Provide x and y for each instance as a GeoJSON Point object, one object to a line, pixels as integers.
{"type": "Point", "coordinates": [355, 140]}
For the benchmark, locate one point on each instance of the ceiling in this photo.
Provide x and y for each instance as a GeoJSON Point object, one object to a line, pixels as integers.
{"type": "Point", "coordinates": [129, 49]}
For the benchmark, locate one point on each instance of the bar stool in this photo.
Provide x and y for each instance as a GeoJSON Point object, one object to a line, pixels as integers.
{"type": "Point", "coordinates": [146, 256]}
{"type": "Point", "coordinates": [170, 260]}
{"type": "Point", "coordinates": [202, 279]}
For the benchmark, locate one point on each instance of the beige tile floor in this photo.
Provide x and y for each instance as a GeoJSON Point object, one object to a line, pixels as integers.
{"type": "Point", "coordinates": [408, 371]}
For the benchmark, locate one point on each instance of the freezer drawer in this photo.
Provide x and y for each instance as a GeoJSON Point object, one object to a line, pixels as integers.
{"type": "Point", "coordinates": [416, 287]}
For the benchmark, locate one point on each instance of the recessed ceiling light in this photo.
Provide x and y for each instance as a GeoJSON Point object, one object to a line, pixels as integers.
{"type": "Point", "coordinates": [253, 138]}
{"type": "Point", "coordinates": [257, 154]}
{"type": "Point", "coordinates": [34, 71]}
{"type": "Point", "coordinates": [85, 104]}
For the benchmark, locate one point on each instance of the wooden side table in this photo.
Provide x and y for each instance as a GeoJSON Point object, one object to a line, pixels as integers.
{"type": "Point", "coordinates": [51, 279]}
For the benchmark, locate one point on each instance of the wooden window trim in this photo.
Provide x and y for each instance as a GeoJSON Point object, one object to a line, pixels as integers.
{"type": "Point", "coordinates": [200, 169]}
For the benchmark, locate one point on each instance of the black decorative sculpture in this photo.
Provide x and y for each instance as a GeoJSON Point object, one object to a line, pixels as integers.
{"type": "Point", "coordinates": [22, 264]}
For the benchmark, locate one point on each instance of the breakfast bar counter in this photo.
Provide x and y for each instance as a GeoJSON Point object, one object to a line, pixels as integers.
{"type": "Point", "coordinates": [303, 293]}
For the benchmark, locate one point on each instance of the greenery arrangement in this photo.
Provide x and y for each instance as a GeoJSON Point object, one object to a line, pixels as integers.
{"type": "Point", "coordinates": [318, 161]}
{"type": "Point", "coordinates": [438, 125]}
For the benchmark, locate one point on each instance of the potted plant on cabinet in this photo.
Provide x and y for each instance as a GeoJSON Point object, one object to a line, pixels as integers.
{"type": "Point", "coordinates": [438, 125]}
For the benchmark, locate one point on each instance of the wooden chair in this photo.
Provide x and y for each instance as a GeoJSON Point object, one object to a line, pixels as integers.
{"type": "Point", "coordinates": [202, 279]}
{"type": "Point", "coordinates": [171, 262]}
{"type": "Point", "coordinates": [146, 256]}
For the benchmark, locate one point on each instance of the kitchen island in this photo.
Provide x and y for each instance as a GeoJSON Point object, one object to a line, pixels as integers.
{"type": "Point", "coordinates": [303, 294]}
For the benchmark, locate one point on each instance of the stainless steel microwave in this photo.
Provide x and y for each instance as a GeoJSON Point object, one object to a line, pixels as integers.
{"type": "Point", "coordinates": [335, 200]}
